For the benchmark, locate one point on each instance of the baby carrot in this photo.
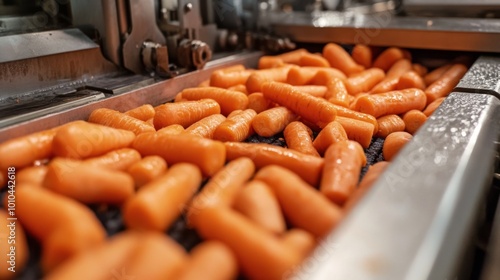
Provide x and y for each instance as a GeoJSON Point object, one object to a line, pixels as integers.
{"type": "Point", "coordinates": [229, 79]}
{"type": "Point", "coordinates": [222, 189]}
{"type": "Point", "coordinates": [332, 133]}
{"type": "Point", "coordinates": [147, 169]}
{"type": "Point", "coordinates": [392, 77]}
{"type": "Point", "coordinates": [419, 69]}
{"type": "Point", "coordinates": [292, 57]}
{"type": "Point", "coordinates": [119, 120]}
{"type": "Point", "coordinates": [370, 177]}
{"type": "Point", "coordinates": [227, 99]}
{"type": "Point", "coordinates": [343, 163]}
{"type": "Point", "coordinates": [315, 110]}
{"type": "Point", "coordinates": [234, 113]}
{"type": "Point", "coordinates": [433, 106]}
{"type": "Point", "coordinates": [257, 102]}
{"type": "Point", "coordinates": [232, 68]}
{"type": "Point", "coordinates": [207, 154]}
{"type": "Point", "coordinates": [301, 75]}
{"type": "Point", "coordinates": [435, 74]}
{"type": "Point", "coordinates": [362, 55]}
{"type": "Point", "coordinates": [211, 260]}
{"type": "Point", "coordinates": [33, 175]}
{"type": "Point", "coordinates": [260, 254]}
{"type": "Point", "coordinates": [143, 113]}
{"type": "Point", "coordinates": [340, 59]}
{"type": "Point", "coordinates": [272, 121]}
{"type": "Point", "coordinates": [392, 102]}
{"type": "Point", "coordinates": [172, 129]}
{"type": "Point", "coordinates": [445, 84]}
{"type": "Point", "coordinates": [15, 251]}
{"type": "Point", "coordinates": [316, 91]}
{"type": "Point", "coordinates": [83, 140]}
{"type": "Point", "coordinates": [260, 77]}
{"type": "Point", "coordinates": [293, 194]}
{"type": "Point", "coordinates": [267, 61]}
{"type": "Point", "coordinates": [298, 137]}
{"type": "Point", "coordinates": [185, 113]}
{"type": "Point", "coordinates": [393, 143]}
{"type": "Point", "coordinates": [178, 98]}
{"type": "Point", "coordinates": [359, 131]}
{"type": "Point", "coordinates": [300, 240]}
{"type": "Point", "coordinates": [348, 113]}
{"type": "Point", "coordinates": [413, 120]}
{"type": "Point", "coordinates": [309, 59]}
{"type": "Point", "coordinates": [86, 183]}
{"type": "Point", "coordinates": [120, 159]}
{"type": "Point", "coordinates": [306, 166]}
{"type": "Point", "coordinates": [353, 103]}
{"type": "Point", "coordinates": [389, 124]}
{"type": "Point", "coordinates": [324, 75]}
{"type": "Point", "coordinates": [241, 88]}
{"type": "Point", "coordinates": [257, 202]}
{"type": "Point", "coordinates": [388, 57]}
{"type": "Point", "coordinates": [410, 79]}
{"type": "Point", "coordinates": [364, 81]}
{"type": "Point", "coordinates": [157, 204]}
{"type": "Point", "coordinates": [206, 126]}
{"type": "Point", "coordinates": [236, 128]}
{"type": "Point", "coordinates": [337, 93]}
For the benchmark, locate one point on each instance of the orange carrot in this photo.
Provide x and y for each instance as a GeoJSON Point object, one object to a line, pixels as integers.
{"type": "Point", "coordinates": [120, 159]}
{"type": "Point", "coordinates": [353, 103]}
{"type": "Point", "coordinates": [205, 83]}
{"type": "Point", "coordinates": [348, 113]}
{"type": "Point", "coordinates": [64, 226]}
{"type": "Point", "coordinates": [433, 106]}
{"type": "Point", "coordinates": [143, 113]}
{"type": "Point", "coordinates": [207, 154]}
{"type": "Point", "coordinates": [241, 88]}
{"type": "Point", "coordinates": [309, 59]}
{"type": "Point", "coordinates": [370, 177]}
{"type": "Point", "coordinates": [300, 240]}
{"type": "Point", "coordinates": [410, 80]}
{"type": "Point", "coordinates": [306, 166]}
{"type": "Point", "coordinates": [272, 121]}
{"type": "Point", "coordinates": [257, 102]}
{"type": "Point", "coordinates": [445, 84]}
{"type": "Point", "coordinates": [324, 75]}
{"type": "Point", "coordinates": [33, 175]}
{"type": "Point", "coordinates": [211, 260]}
{"type": "Point", "coordinates": [388, 57]}
{"type": "Point", "coordinates": [83, 140]}
{"type": "Point", "coordinates": [298, 137]}
{"type": "Point", "coordinates": [229, 79]}
{"type": "Point", "coordinates": [15, 251]}
{"type": "Point", "coordinates": [301, 75]}
{"type": "Point", "coordinates": [222, 189]}
{"type": "Point", "coordinates": [234, 113]}
{"type": "Point", "coordinates": [316, 91]}
{"type": "Point", "coordinates": [206, 126]}
{"type": "Point", "coordinates": [413, 120]}
{"type": "Point", "coordinates": [392, 78]}
{"type": "Point", "coordinates": [178, 98]}
{"type": "Point", "coordinates": [267, 61]}
{"type": "Point", "coordinates": [315, 110]}
{"type": "Point", "coordinates": [119, 120]}
{"type": "Point", "coordinates": [257, 202]}
{"type": "Point", "coordinates": [332, 133]}
{"type": "Point", "coordinates": [435, 74]}
{"type": "Point", "coordinates": [340, 59]}
{"type": "Point", "coordinates": [260, 254]}
{"type": "Point", "coordinates": [232, 68]}
{"type": "Point", "coordinates": [419, 69]}
{"type": "Point", "coordinates": [292, 57]}
{"type": "Point", "coordinates": [389, 124]}
{"type": "Point", "coordinates": [185, 113]}
{"type": "Point", "coordinates": [362, 55]}
{"type": "Point", "coordinates": [260, 77]}
{"type": "Point", "coordinates": [227, 99]}
{"type": "Point", "coordinates": [293, 193]}
{"type": "Point", "coordinates": [171, 129]}
{"type": "Point", "coordinates": [356, 130]}
{"type": "Point", "coordinates": [86, 183]}
{"type": "Point", "coordinates": [392, 102]}
{"type": "Point", "coordinates": [236, 128]}
{"type": "Point", "coordinates": [157, 204]}
{"type": "Point", "coordinates": [343, 163]}
{"type": "Point", "coordinates": [337, 93]}
{"type": "Point", "coordinates": [364, 81]}
{"type": "Point", "coordinates": [393, 143]}
{"type": "Point", "coordinates": [147, 169]}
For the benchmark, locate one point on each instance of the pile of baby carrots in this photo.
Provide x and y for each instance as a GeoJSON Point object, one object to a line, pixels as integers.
{"type": "Point", "coordinates": [262, 208]}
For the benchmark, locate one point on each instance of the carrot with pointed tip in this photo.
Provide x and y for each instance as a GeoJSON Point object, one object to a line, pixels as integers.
{"type": "Point", "coordinates": [227, 99]}
{"type": "Point", "coordinates": [33, 175]}
{"type": "Point", "coordinates": [147, 169]}
{"type": "Point", "coordinates": [445, 84]}
{"type": "Point", "coordinates": [300, 240]}
{"type": "Point", "coordinates": [258, 103]}
{"type": "Point", "coordinates": [433, 106]}
{"type": "Point", "coordinates": [362, 55]}
{"type": "Point", "coordinates": [158, 203]}
{"type": "Point", "coordinates": [260, 77]}
{"type": "Point", "coordinates": [115, 119]}
{"type": "Point", "coordinates": [336, 93]}
{"type": "Point", "coordinates": [324, 75]}
{"type": "Point", "coordinates": [413, 120]}
{"type": "Point", "coordinates": [392, 77]}
{"type": "Point", "coordinates": [309, 59]}
{"type": "Point", "coordinates": [267, 61]}
{"type": "Point", "coordinates": [314, 90]}
{"type": "Point", "coordinates": [330, 134]}
{"type": "Point", "coordinates": [185, 113]}
{"type": "Point", "coordinates": [236, 128]}
{"type": "Point", "coordinates": [306, 166]}
{"type": "Point", "coordinates": [272, 121]}
{"type": "Point", "coordinates": [389, 124]}
{"type": "Point", "coordinates": [206, 126]}
{"type": "Point", "coordinates": [364, 81]}
{"type": "Point", "coordinates": [298, 137]}
{"type": "Point", "coordinates": [172, 129]}
{"type": "Point", "coordinates": [315, 110]}
{"type": "Point", "coordinates": [435, 74]}
{"type": "Point", "coordinates": [241, 88]}
{"type": "Point", "coordinates": [257, 202]}
{"type": "Point", "coordinates": [419, 69]}
{"type": "Point", "coordinates": [373, 173]}
{"type": "Point", "coordinates": [388, 57]}
{"type": "Point", "coordinates": [143, 113]}
{"type": "Point", "coordinates": [14, 247]}
{"type": "Point", "coordinates": [229, 79]}
{"type": "Point", "coordinates": [80, 140]}
{"type": "Point", "coordinates": [410, 79]}
{"type": "Point", "coordinates": [119, 159]}
{"type": "Point", "coordinates": [356, 130]}
{"type": "Point", "coordinates": [392, 102]}
{"type": "Point", "coordinates": [340, 59]}
{"type": "Point", "coordinates": [348, 113]}
{"type": "Point", "coordinates": [394, 142]}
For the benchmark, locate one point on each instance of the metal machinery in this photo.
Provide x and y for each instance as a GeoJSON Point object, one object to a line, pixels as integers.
{"type": "Point", "coordinates": [428, 214]}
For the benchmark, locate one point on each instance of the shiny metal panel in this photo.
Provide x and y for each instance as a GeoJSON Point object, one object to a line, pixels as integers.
{"type": "Point", "coordinates": [483, 76]}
